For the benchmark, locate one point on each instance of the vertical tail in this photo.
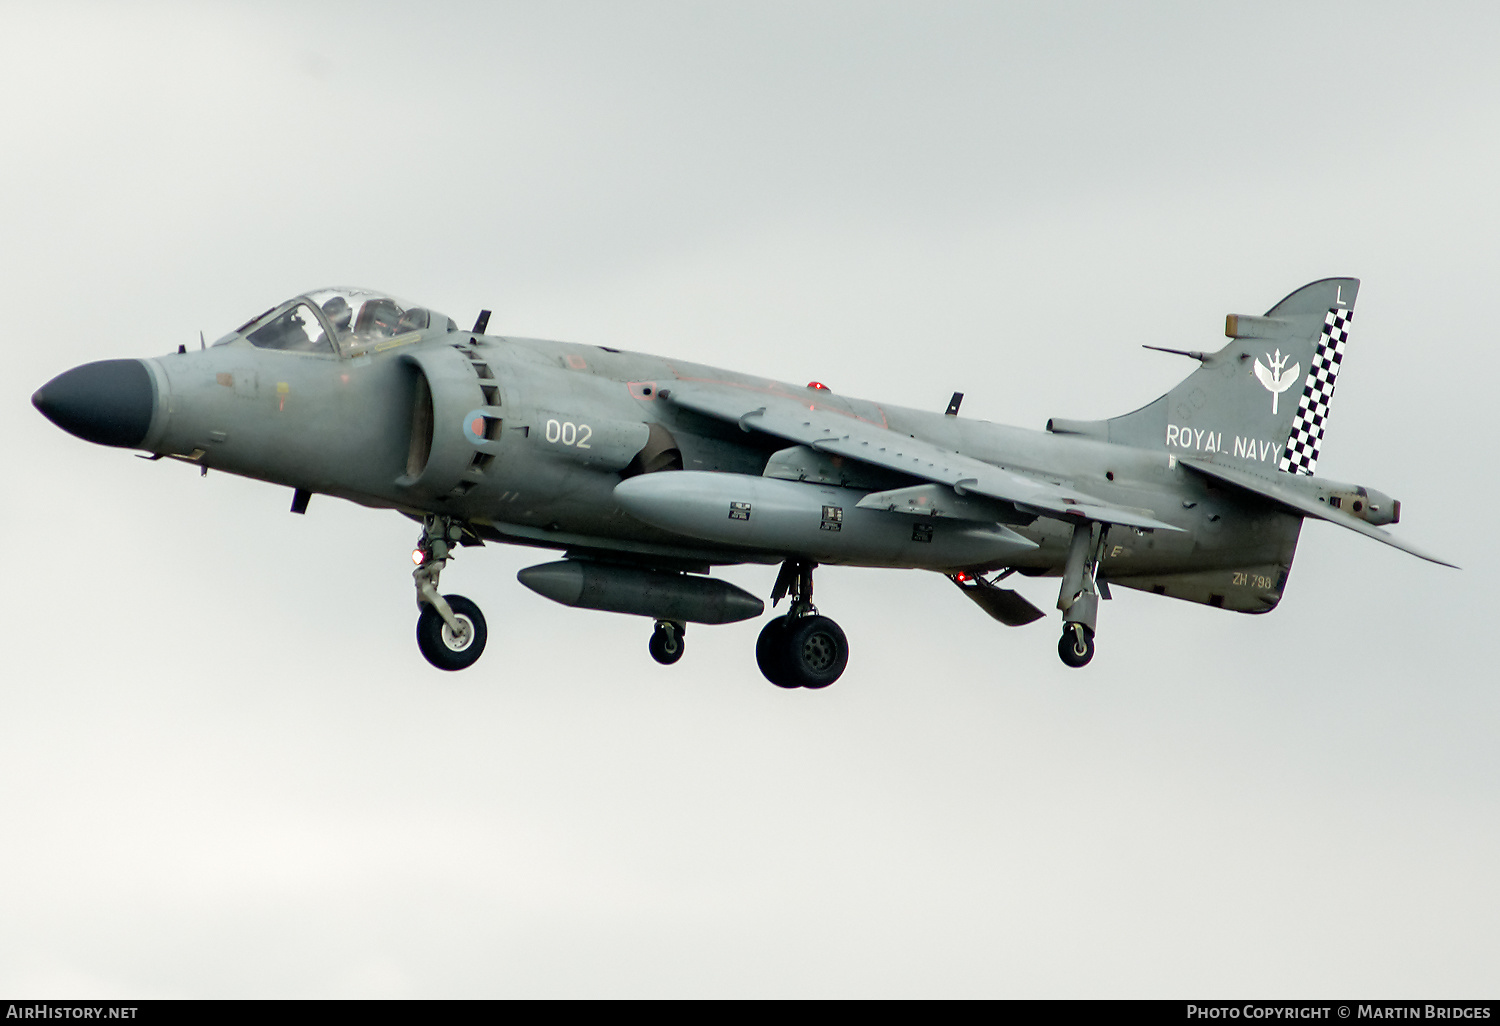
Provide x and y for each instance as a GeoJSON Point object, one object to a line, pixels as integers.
{"type": "Point", "coordinates": [1263, 399]}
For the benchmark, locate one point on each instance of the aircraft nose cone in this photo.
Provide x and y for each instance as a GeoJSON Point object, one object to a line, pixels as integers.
{"type": "Point", "coordinates": [109, 402]}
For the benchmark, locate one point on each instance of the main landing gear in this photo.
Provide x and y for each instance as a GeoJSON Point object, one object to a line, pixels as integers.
{"type": "Point", "coordinates": [800, 649]}
{"type": "Point", "coordinates": [450, 630]}
{"type": "Point", "coordinates": [1079, 596]}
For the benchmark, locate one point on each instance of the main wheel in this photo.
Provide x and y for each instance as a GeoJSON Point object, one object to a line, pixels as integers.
{"type": "Point", "coordinates": [814, 652]}
{"type": "Point", "coordinates": [1077, 645]}
{"type": "Point", "coordinates": [770, 649]}
{"type": "Point", "coordinates": [666, 643]}
{"type": "Point", "coordinates": [442, 647]}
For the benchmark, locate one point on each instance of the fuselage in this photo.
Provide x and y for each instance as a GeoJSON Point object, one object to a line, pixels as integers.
{"type": "Point", "coordinates": [558, 425]}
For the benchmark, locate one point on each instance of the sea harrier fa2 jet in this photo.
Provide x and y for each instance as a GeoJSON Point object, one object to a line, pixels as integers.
{"type": "Point", "coordinates": [645, 472]}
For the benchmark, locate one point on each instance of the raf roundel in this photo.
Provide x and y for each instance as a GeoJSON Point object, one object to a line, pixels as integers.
{"type": "Point", "coordinates": [474, 426]}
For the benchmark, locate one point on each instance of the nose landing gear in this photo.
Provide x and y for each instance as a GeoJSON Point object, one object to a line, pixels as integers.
{"type": "Point", "coordinates": [800, 649]}
{"type": "Point", "coordinates": [451, 631]}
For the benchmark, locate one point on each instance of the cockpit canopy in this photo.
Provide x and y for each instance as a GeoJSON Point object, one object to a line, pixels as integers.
{"type": "Point", "coordinates": [341, 321]}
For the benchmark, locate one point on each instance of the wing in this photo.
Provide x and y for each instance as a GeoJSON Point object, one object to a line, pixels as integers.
{"type": "Point", "coordinates": [839, 435]}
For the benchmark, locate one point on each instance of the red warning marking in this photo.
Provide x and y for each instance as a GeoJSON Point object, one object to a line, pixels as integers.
{"type": "Point", "coordinates": [477, 426]}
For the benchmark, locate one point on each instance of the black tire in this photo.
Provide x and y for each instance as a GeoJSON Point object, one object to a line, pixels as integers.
{"type": "Point", "coordinates": [666, 644]}
{"type": "Point", "coordinates": [770, 649]}
{"type": "Point", "coordinates": [814, 652]}
{"type": "Point", "coordinates": [437, 642]}
{"type": "Point", "coordinates": [1077, 646]}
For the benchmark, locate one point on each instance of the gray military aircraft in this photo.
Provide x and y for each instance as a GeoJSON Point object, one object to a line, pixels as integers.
{"type": "Point", "coordinates": [647, 472]}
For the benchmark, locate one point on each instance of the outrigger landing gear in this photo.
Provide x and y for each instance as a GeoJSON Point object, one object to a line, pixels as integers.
{"type": "Point", "coordinates": [450, 630]}
{"type": "Point", "coordinates": [666, 641]}
{"type": "Point", "coordinates": [1079, 596]}
{"type": "Point", "coordinates": [800, 649]}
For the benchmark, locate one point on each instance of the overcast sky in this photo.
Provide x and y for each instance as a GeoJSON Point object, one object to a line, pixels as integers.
{"type": "Point", "coordinates": [225, 769]}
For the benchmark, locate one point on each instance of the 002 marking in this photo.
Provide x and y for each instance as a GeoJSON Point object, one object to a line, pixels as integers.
{"type": "Point", "coordinates": [567, 433]}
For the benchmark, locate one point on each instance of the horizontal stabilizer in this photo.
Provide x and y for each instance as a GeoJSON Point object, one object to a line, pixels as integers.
{"type": "Point", "coordinates": [1290, 490]}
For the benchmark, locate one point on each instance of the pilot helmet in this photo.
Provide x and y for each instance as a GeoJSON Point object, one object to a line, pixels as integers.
{"type": "Point", "coordinates": [338, 313]}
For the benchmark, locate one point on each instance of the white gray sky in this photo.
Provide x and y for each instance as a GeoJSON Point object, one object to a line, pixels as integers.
{"type": "Point", "coordinates": [227, 770]}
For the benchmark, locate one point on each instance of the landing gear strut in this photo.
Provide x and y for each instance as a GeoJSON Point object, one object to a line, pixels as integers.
{"type": "Point", "coordinates": [666, 641]}
{"type": "Point", "coordinates": [450, 630]}
{"type": "Point", "coordinates": [1079, 596]}
{"type": "Point", "coordinates": [800, 649]}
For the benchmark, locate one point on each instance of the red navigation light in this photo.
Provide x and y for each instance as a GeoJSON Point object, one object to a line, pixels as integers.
{"type": "Point", "coordinates": [818, 386]}
{"type": "Point", "coordinates": [418, 557]}
{"type": "Point", "coordinates": [961, 577]}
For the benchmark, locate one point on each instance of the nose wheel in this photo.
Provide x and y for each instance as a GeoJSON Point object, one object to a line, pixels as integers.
{"type": "Point", "coordinates": [800, 649]}
{"type": "Point", "coordinates": [450, 629]}
{"type": "Point", "coordinates": [666, 643]}
{"type": "Point", "coordinates": [444, 646]}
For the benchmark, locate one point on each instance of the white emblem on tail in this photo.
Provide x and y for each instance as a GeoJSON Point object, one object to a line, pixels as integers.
{"type": "Point", "coordinates": [1276, 379]}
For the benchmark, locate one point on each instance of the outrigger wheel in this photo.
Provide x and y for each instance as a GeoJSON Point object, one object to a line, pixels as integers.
{"type": "Point", "coordinates": [446, 648]}
{"type": "Point", "coordinates": [666, 643]}
{"type": "Point", "coordinates": [1077, 645]}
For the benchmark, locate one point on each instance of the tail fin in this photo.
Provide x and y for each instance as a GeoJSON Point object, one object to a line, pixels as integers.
{"type": "Point", "coordinates": [1243, 404]}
